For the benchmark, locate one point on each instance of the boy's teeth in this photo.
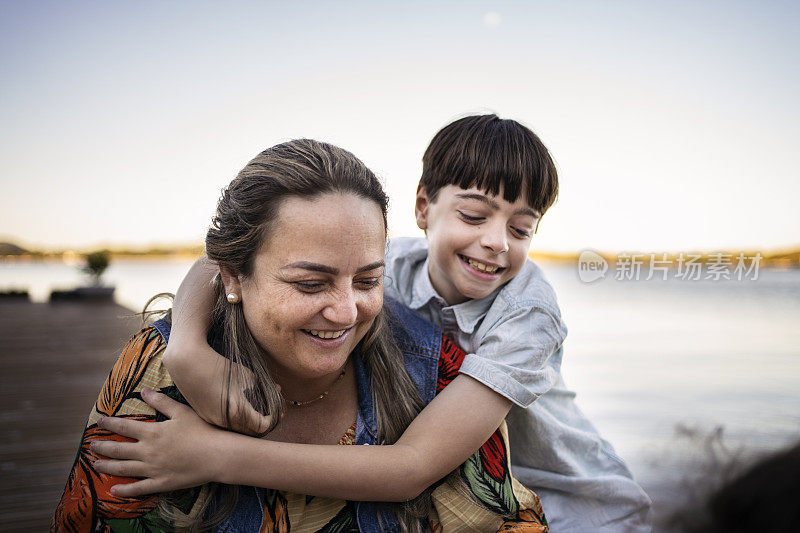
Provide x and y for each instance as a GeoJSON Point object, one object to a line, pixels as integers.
{"type": "Point", "coordinates": [326, 334]}
{"type": "Point", "coordinates": [480, 266]}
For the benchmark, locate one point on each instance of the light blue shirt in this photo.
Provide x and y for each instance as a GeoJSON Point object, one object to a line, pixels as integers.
{"type": "Point", "coordinates": [513, 339]}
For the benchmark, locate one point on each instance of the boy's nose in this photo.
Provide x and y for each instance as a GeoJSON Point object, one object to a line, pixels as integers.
{"type": "Point", "coordinates": [495, 239]}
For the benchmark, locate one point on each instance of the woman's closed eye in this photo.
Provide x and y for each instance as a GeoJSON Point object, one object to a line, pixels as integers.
{"type": "Point", "coordinates": [309, 286]}
{"type": "Point", "coordinates": [319, 286]}
{"type": "Point", "coordinates": [368, 283]}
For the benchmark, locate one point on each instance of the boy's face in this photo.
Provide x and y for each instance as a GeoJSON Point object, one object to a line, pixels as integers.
{"type": "Point", "coordinates": [476, 241]}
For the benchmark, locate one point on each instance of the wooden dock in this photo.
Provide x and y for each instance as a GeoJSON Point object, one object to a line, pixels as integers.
{"type": "Point", "coordinates": [53, 360]}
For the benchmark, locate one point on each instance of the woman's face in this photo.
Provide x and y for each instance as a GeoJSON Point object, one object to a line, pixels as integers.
{"type": "Point", "coordinates": [317, 283]}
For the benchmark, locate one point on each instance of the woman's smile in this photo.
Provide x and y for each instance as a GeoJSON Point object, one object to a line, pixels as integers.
{"type": "Point", "coordinates": [326, 334]}
{"type": "Point", "coordinates": [327, 339]}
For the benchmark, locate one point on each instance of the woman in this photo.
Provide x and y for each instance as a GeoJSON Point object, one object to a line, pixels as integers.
{"type": "Point", "coordinates": [299, 238]}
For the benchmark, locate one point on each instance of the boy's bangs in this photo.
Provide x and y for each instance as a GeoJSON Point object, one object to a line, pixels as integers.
{"type": "Point", "coordinates": [494, 160]}
{"type": "Point", "coordinates": [489, 153]}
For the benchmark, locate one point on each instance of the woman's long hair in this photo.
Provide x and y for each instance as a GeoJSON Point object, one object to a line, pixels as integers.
{"type": "Point", "coordinates": [245, 215]}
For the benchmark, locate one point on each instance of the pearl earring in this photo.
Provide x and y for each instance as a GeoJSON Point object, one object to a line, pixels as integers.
{"type": "Point", "coordinates": [233, 298]}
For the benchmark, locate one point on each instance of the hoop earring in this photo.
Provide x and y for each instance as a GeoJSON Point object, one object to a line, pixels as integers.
{"type": "Point", "coordinates": [233, 298]}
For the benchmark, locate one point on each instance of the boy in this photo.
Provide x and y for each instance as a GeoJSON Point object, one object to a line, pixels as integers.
{"type": "Point", "coordinates": [479, 206]}
{"type": "Point", "coordinates": [486, 183]}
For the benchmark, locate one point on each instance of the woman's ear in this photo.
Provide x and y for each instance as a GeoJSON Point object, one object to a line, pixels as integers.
{"type": "Point", "coordinates": [421, 208]}
{"type": "Point", "coordinates": [230, 281]}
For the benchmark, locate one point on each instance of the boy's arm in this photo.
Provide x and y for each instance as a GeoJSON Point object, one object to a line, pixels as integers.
{"type": "Point", "coordinates": [198, 371]}
{"type": "Point", "coordinates": [184, 451]}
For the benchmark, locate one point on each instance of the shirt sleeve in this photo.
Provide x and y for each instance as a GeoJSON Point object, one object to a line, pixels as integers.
{"type": "Point", "coordinates": [519, 355]}
{"type": "Point", "coordinates": [87, 503]}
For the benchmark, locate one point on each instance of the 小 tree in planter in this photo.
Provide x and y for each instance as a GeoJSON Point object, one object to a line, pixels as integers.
{"type": "Point", "coordinates": [96, 264]}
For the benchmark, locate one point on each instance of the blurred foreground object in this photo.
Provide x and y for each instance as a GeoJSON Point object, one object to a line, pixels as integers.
{"type": "Point", "coordinates": [762, 498]}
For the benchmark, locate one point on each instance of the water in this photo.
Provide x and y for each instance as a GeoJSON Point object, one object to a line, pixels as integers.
{"type": "Point", "coordinates": [136, 280]}
{"type": "Point", "coordinates": [701, 353]}
{"type": "Point", "coordinates": [647, 358]}
{"type": "Point", "coordinates": [659, 366]}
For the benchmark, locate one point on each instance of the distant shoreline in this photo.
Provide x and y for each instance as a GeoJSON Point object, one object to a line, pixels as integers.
{"type": "Point", "coordinates": [780, 258]}
{"type": "Point", "coordinates": [70, 258]}
{"type": "Point", "coordinates": [774, 259]}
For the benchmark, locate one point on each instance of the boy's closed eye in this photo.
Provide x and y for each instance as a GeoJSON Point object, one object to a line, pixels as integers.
{"type": "Point", "coordinates": [471, 218]}
{"type": "Point", "coordinates": [523, 226]}
{"type": "Point", "coordinates": [521, 233]}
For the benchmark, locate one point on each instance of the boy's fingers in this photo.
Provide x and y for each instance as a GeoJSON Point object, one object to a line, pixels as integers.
{"type": "Point", "coordinates": [115, 450]}
{"type": "Point", "coordinates": [162, 403]}
{"type": "Point", "coordinates": [138, 488]}
{"type": "Point", "coordinates": [122, 426]}
{"type": "Point", "coordinates": [113, 467]}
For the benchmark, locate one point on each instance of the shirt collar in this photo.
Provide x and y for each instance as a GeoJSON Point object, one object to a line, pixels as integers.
{"type": "Point", "coordinates": [467, 314]}
{"type": "Point", "coordinates": [422, 290]}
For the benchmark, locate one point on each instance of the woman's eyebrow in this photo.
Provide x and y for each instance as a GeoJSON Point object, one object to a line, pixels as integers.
{"type": "Point", "coordinates": [319, 267]}
{"type": "Point", "coordinates": [372, 266]}
{"type": "Point", "coordinates": [308, 265]}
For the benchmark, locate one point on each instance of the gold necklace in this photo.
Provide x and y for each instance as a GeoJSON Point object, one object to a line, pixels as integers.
{"type": "Point", "coordinates": [294, 403]}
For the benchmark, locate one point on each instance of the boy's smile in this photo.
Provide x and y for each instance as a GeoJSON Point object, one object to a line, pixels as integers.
{"type": "Point", "coordinates": [477, 241]}
{"type": "Point", "coordinates": [486, 270]}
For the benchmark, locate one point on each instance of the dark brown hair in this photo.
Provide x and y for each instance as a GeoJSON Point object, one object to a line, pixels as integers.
{"type": "Point", "coordinates": [487, 152]}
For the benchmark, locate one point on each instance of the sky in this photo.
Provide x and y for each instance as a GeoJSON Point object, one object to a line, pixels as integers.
{"type": "Point", "coordinates": [674, 125]}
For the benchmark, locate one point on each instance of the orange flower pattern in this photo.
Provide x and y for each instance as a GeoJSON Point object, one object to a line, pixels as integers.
{"type": "Point", "coordinates": [87, 504]}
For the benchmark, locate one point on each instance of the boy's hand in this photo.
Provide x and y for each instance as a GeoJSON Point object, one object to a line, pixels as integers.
{"type": "Point", "coordinates": [175, 454]}
{"type": "Point", "coordinates": [202, 378]}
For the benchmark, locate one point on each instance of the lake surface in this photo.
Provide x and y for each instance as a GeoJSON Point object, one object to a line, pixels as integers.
{"type": "Point", "coordinates": [653, 362]}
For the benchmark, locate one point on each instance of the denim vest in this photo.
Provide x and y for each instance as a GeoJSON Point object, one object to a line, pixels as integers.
{"type": "Point", "coordinates": [420, 341]}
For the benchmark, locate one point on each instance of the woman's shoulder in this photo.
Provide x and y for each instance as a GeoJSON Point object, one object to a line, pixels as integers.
{"type": "Point", "coordinates": [411, 332]}
{"type": "Point", "coordinates": [87, 502]}
{"type": "Point", "coordinates": [138, 366]}
{"type": "Point", "coordinates": [424, 344]}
